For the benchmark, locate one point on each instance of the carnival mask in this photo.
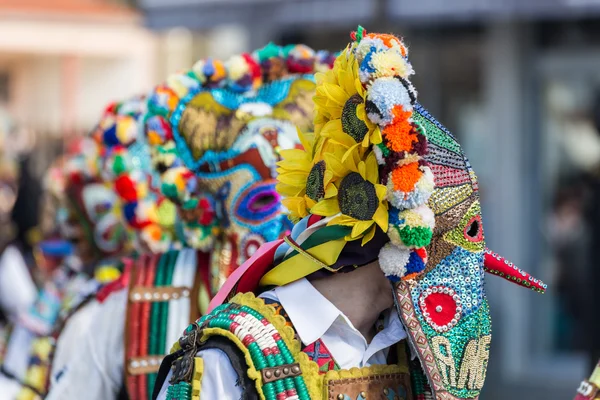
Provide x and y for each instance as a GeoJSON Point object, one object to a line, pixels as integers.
{"type": "Point", "coordinates": [445, 309]}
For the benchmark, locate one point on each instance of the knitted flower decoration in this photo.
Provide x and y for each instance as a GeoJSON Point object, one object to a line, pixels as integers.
{"type": "Point", "coordinates": [364, 166]}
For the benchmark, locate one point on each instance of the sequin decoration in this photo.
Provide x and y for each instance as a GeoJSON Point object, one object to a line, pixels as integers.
{"type": "Point", "coordinates": [469, 232]}
{"type": "Point", "coordinates": [443, 199]}
{"type": "Point", "coordinates": [441, 307]}
{"type": "Point", "coordinates": [461, 271]}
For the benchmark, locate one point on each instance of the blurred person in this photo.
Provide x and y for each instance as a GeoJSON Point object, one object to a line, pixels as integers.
{"type": "Point", "coordinates": [87, 228]}
{"type": "Point", "coordinates": [589, 389]}
{"type": "Point", "coordinates": [575, 229]}
{"type": "Point", "coordinates": [590, 307]}
{"type": "Point", "coordinates": [215, 134]}
{"type": "Point", "coordinates": [378, 291]}
{"type": "Point", "coordinates": [17, 288]}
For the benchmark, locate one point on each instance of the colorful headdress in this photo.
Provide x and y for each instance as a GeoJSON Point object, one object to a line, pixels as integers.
{"type": "Point", "coordinates": [382, 179]}
{"type": "Point", "coordinates": [217, 132]}
{"type": "Point", "coordinates": [126, 165]}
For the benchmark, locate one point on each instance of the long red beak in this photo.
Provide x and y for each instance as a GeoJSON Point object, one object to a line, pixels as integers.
{"type": "Point", "coordinates": [498, 265]}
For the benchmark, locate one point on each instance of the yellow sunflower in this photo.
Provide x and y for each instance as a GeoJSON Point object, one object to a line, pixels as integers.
{"type": "Point", "coordinates": [340, 106]}
{"type": "Point", "coordinates": [304, 178]}
{"type": "Point", "coordinates": [360, 201]}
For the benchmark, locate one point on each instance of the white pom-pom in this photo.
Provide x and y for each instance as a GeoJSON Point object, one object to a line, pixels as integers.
{"type": "Point", "coordinates": [427, 216]}
{"type": "Point", "coordinates": [393, 260]}
{"type": "Point", "coordinates": [378, 155]}
{"type": "Point", "coordinates": [386, 93]}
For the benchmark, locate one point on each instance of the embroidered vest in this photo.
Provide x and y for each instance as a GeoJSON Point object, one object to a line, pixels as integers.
{"type": "Point", "coordinates": [278, 366]}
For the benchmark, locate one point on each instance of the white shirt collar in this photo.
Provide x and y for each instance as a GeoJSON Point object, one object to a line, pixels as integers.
{"type": "Point", "coordinates": [314, 317]}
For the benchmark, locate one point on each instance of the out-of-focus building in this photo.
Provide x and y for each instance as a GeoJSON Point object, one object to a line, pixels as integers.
{"type": "Point", "coordinates": [62, 61]}
{"type": "Point", "coordinates": [519, 83]}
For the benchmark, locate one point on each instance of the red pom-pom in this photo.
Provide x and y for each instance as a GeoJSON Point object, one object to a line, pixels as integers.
{"type": "Point", "coordinates": [253, 65]}
{"type": "Point", "coordinates": [126, 188]}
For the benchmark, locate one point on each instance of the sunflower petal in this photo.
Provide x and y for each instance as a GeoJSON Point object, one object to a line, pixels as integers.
{"type": "Point", "coordinates": [372, 169]}
{"type": "Point", "coordinates": [335, 93]}
{"type": "Point", "coordinates": [307, 139]}
{"type": "Point", "coordinates": [332, 128]}
{"type": "Point", "coordinates": [369, 235]}
{"type": "Point", "coordinates": [342, 220]}
{"type": "Point", "coordinates": [381, 191]}
{"type": "Point", "coordinates": [362, 170]}
{"type": "Point", "coordinates": [381, 218]}
{"type": "Point", "coordinates": [331, 191]}
{"type": "Point", "coordinates": [336, 167]}
{"type": "Point", "coordinates": [351, 158]}
{"type": "Point", "coordinates": [376, 137]}
{"type": "Point", "coordinates": [360, 227]}
{"type": "Point", "coordinates": [359, 87]}
{"type": "Point", "coordinates": [326, 208]}
{"type": "Point", "coordinates": [288, 190]}
{"type": "Point", "coordinates": [293, 178]}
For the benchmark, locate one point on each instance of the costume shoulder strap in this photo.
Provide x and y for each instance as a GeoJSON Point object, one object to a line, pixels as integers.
{"type": "Point", "coordinates": [275, 363]}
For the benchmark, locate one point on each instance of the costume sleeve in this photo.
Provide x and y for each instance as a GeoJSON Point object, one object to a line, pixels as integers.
{"type": "Point", "coordinates": [95, 371]}
{"type": "Point", "coordinates": [17, 290]}
{"type": "Point", "coordinates": [219, 379]}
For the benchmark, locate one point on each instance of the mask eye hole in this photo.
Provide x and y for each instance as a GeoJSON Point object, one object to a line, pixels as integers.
{"type": "Point", "coordinates": [258, 203]}
{"type": "Point", "coordinates": [473, 231]}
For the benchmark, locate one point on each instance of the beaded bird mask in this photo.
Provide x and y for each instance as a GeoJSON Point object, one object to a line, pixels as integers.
{"type": "Point", "coordinates": [382, 175]}
{"type": "Point", "coordinates": [217, 132]}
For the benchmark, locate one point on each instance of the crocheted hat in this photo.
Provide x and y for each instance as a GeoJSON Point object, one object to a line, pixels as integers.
{"type": "Point", "coordinates": [217, 131]}
{"type": "Point", "coordinates": [381, 179]}
{"type": "Point", "coordinates": [126, 165]}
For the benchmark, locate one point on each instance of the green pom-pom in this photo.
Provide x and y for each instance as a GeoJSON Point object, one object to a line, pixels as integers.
{"type": "Point", "coordinates": [169, 190]}
{"type": "Point", "coordinates": [119, 165]}
{"type": "Point", "coordinates": [415, 237]}
{"type": "Point", "coordinates": [384, 150]}
{"type": "Point", "coordinates": [190, 204]}
{"type": "Point", "coordinates": [271, 50]}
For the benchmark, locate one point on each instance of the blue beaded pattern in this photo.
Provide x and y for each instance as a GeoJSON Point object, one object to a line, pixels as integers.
{"type": "Point", "coordinates": [272, 93]}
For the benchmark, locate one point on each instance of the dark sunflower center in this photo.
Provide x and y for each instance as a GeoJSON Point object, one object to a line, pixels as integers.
{"type": "Point", "coordinates": [357, 197]}
{"type": "Point", "coordinates": [351, 124]}
{"type": "Point", "coordinates": [314, 183]}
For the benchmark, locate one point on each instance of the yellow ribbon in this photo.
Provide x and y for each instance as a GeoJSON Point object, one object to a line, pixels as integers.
{"type": "Point", "coordinates": [302, 265]}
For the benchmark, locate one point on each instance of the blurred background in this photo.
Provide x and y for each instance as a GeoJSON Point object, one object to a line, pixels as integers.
{"type": "Point", "coordinates": [517, 81]}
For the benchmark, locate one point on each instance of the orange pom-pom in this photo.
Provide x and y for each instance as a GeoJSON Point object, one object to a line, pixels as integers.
{"type": "Point", "coordinates": [406, 177]}
{"type": "Point", "coordinates": [400, 133]}
{"type": "Point", "coordinates": [389, 40]}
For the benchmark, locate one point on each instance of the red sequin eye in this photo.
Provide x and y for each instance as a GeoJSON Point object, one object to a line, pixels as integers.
{"type": "Point", "coordinates": [473, 231]}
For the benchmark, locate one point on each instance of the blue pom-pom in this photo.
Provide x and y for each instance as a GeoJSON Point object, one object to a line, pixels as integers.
{"type": "Point", "coordinates": [394, 216]}
{"type": "Point", "coordinates": [415, 263]}
{"type": "Point", "coordinates": [110, 136]}
{"type": "Point", "coordinates": [393, 278]}
{"type": "Point", "coordinates": [209, 68]}
{"type": "Point", "coordinates": [129, 210]}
